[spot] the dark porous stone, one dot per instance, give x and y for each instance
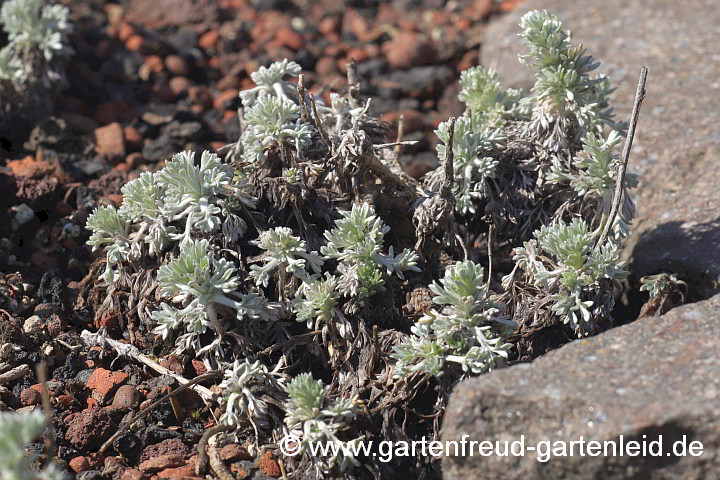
(89, 475)
(418, 82)
(654, 377)
(173, 138)
(128, 445)
(677, 228)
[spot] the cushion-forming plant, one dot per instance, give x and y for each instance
(315, 256)
(32, 62)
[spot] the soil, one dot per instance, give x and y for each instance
(149, 79)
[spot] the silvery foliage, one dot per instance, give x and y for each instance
(240, 398)
(563, 260)
(272, 116)
(269, 81)
(200, 198)
(467, 330)
(357, 242)
(592, 174)
(17, 430)
(472, 161)
(660, 284)
(285, 252)
(316, 300)
(32, 26)
(478, 135)
(565, 97)
(180, 206)
(201, 282)
(313, 419)
(487, 101)
(273, 122)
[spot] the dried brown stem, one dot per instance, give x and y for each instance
(201, 463)
(14, 374)
(353, 79)
(154, 405)
(449, 179)
(304, 110)
(42, 377)
(622, 166)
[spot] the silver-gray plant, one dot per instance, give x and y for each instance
(17, 430)
(468, 329)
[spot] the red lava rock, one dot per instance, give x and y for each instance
(335, 50)
(63, 208)
(358, 54)
(177, 65)
(126, 396)
(355, 23)
(79, 464)
(125, 31)
(134, 160)
(155, 63)
(110, 142)
(109, 112)
(43, 260)
(179, 85)
(104, 383)
(325, 66)
(221, 98)
(372, 50)
(163, 92)
(239, 471)
(135, 43)
(199, 366)
(173, 363)
(329, 24)
(200, 95)
(30, 396)
(132, 474)
(186, 472)
(116, 199)
(65, 401)
(230, 82)
(170, 446)
(470, 59)
(209, 40)
(268, 465)
(234, 452)
(89, 428)
(103, 48)
(133, 139)
(479, 9)
(30, 167)
(413, 120)
(409, 49)
(162, 462)
(287, 37)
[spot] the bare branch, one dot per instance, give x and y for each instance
(622, 167)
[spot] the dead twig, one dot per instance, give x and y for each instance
(131, 351)
(353, 79)
(14, 374)
(42, 377)
(202, 458)
(449, 180)
(400, 131)
(152, 406)
(622, 166)
(217, 465)
(304, 110)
